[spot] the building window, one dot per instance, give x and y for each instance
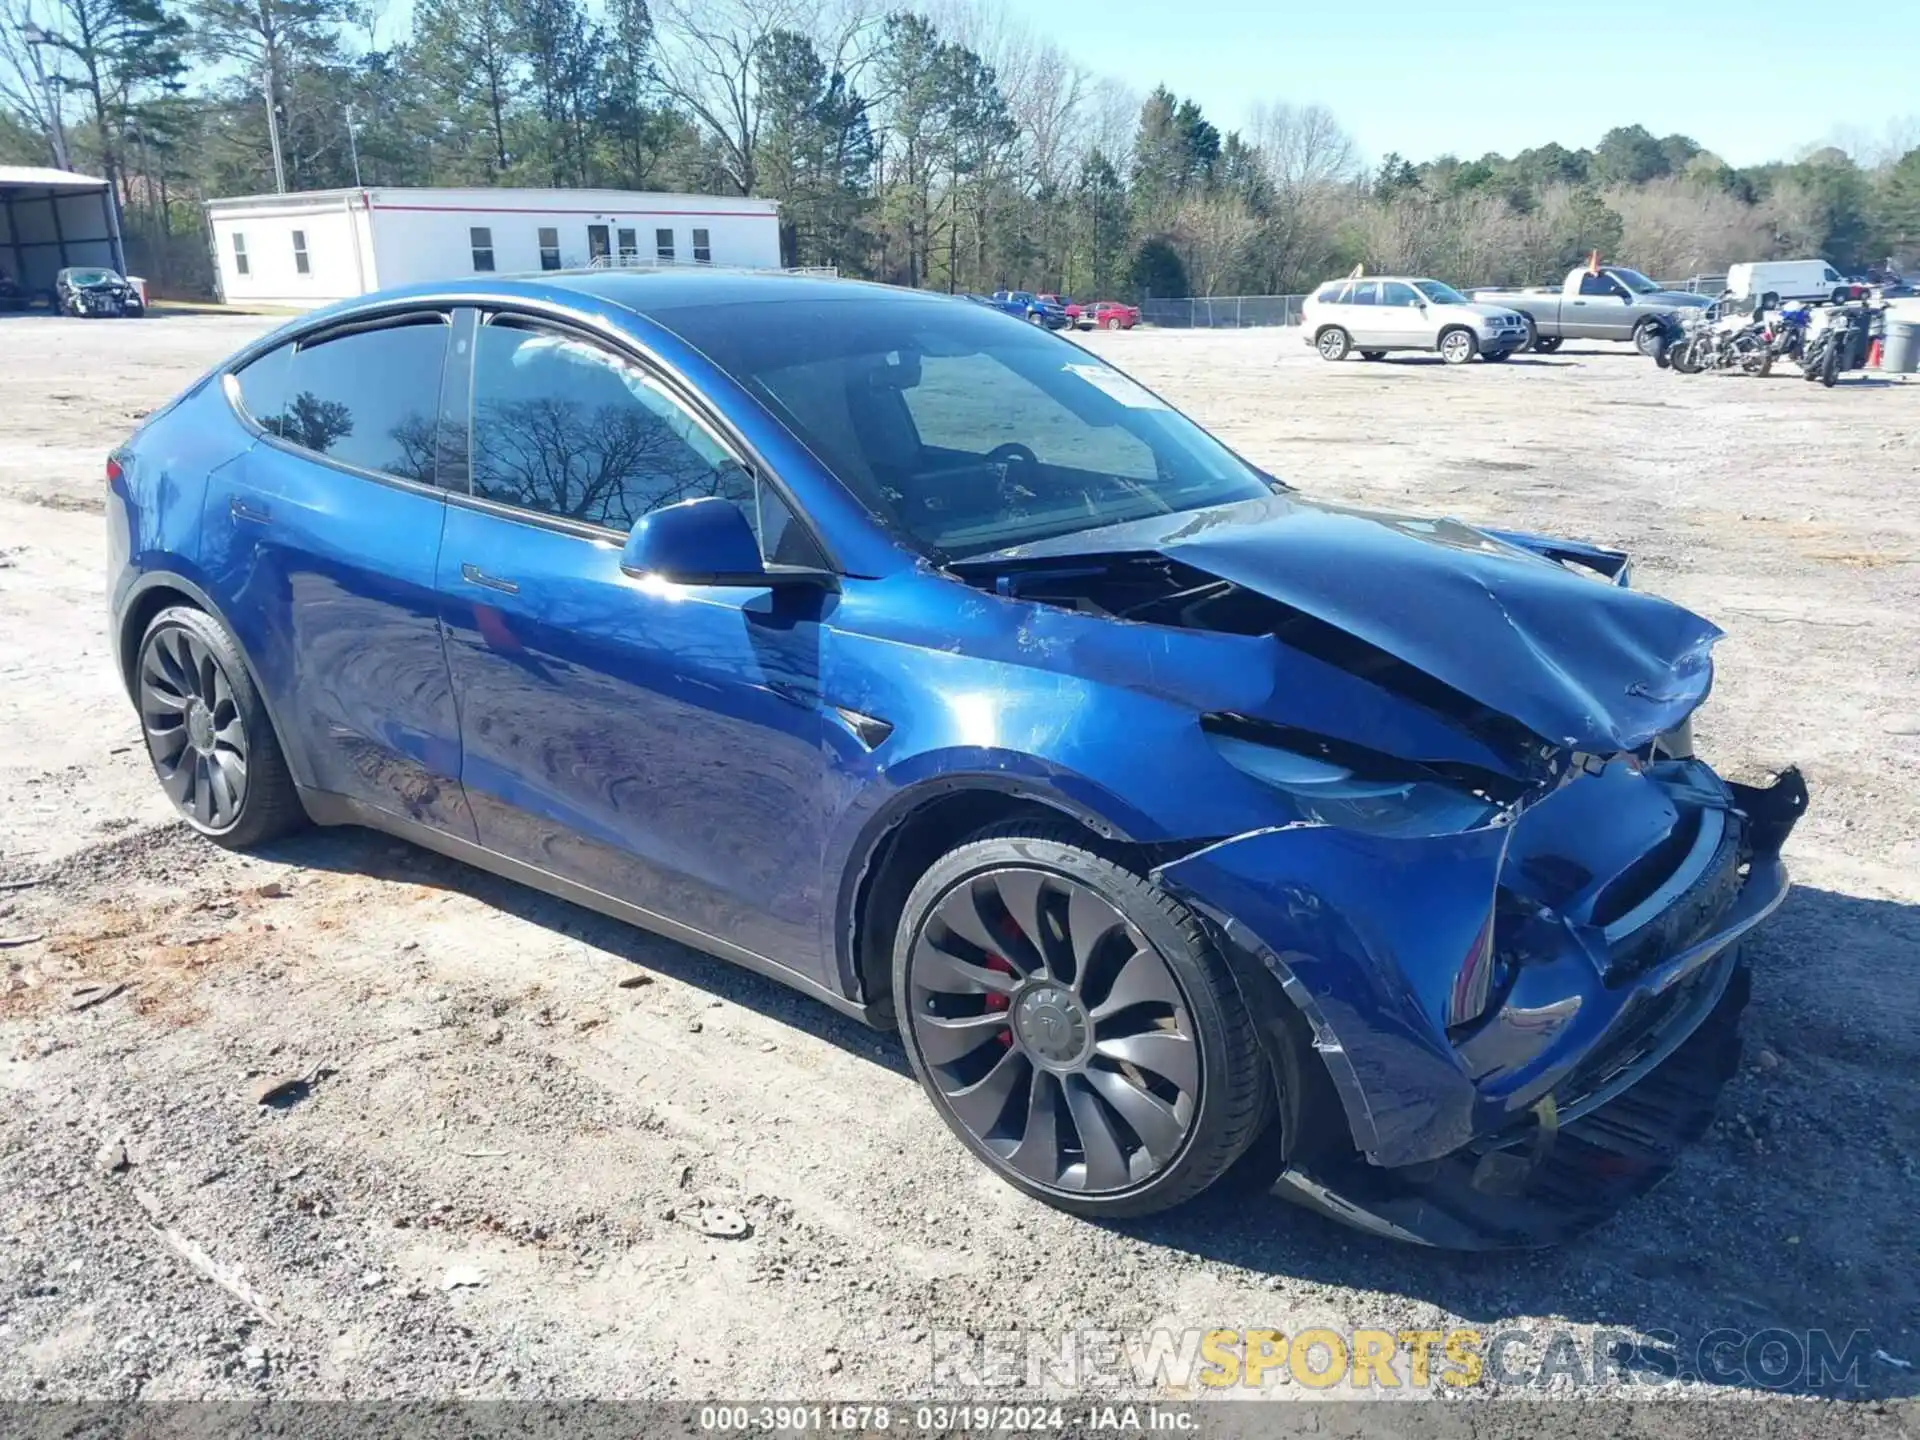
(663, 246)
(702, 248)
(629, 247)
(300, 253)
(240, 254)
(549, 248)
(482, 240)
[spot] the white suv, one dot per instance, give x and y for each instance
(1392, 312)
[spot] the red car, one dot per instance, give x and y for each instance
(1108, 315)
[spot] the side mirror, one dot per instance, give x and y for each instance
(706, 541)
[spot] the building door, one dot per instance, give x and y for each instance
(598, 245)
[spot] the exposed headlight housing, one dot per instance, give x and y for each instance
(1328, 792)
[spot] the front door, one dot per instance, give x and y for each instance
(321, 547)
(1403, 319)
(598, 244)
(664, 745)
(1600, 310)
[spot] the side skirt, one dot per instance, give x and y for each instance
(327, 808)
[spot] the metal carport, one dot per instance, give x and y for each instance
(50, 219)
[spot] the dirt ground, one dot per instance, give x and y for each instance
(497, 1156)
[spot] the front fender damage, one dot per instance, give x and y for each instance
(1367, 935)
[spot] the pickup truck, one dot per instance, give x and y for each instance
(1026, 305)
(1611, 303)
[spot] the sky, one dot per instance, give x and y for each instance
(1752, 80)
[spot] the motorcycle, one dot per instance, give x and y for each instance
(1715, 340)
(1786, 336)
(1837, 342)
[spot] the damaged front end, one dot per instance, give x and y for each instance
(1500, 890)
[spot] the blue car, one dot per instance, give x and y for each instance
(1189, 830)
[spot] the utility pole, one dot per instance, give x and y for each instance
(273, 129)
(50, 87)
(353, 146)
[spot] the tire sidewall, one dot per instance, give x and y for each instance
(1449, 346)
(973, 859)
(1336, 338)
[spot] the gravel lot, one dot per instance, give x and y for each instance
(508, 1124)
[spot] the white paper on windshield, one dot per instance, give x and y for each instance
(1113, 383)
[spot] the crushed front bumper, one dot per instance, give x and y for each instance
(1619, 908)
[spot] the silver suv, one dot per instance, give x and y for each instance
(1391, 312)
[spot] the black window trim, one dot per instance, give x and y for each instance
(716, 425)
(319, 335)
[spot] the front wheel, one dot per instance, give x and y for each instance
(1830, 366)
(1457, 347)
(1333, 343)
(1646, 337)
(1546, 344)
(208, 734)
(1497, 355)
(1373, 354)
(1074, 1025)
(1113, 322)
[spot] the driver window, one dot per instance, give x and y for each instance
(973, 403)
(1602, 284)
(1397, 294)
(566, 428)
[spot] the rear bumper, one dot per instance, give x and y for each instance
(1599, 1000)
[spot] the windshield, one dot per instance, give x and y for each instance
(963, 429)
(90, 277)
(1635, 281)
(1438, 293)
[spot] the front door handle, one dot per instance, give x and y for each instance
(474, 575)
(240, 510)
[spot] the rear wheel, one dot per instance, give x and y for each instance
(1457, 347)
(1532, 342)
(1333, 343)
(1074, 1025)
(208, 734)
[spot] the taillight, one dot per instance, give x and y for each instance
(113, 470)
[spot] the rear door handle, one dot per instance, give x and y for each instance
(474, 575)
(240, 510)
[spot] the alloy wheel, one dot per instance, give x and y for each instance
(1054, 1032)
(194, 729)
(1457, 348)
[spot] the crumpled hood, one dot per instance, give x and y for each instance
(1583, 664)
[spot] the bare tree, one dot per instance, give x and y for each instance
(1304, 146)
(707, 60)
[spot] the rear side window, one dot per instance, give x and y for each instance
(1365, 292)
(263, 384)
(368, 398)
(565, 428)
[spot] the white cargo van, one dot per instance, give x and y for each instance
(1772, 281)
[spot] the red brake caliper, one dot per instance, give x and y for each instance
(1001, 1002)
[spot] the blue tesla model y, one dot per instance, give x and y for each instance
(914, 656)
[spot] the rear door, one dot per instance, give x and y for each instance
(664, 745)
(1365, 320)
(320, 547)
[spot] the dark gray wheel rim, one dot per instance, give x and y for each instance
(1055, 1033)
(194, 731)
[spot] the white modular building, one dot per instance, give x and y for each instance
(317, 246)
